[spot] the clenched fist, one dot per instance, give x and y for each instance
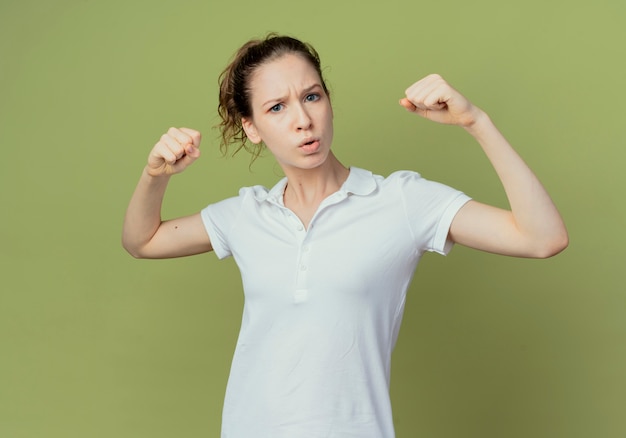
(174, 152)
(434, 99)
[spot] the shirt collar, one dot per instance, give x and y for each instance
(359, 182)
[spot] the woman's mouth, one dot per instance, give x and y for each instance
(310, 146)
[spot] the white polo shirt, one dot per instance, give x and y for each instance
(323, 306)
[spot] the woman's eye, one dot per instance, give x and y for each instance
(312, 97)
(276, 108)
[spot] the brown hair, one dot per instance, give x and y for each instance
(234, 97)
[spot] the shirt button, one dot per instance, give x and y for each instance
(305, 248)
(300, 228)
(303, 267)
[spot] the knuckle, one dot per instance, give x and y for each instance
(185, 138)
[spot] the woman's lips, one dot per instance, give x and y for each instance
(310, 146)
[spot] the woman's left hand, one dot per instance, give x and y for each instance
(434, 99)
(533, 227)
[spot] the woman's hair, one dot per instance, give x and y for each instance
(235, 91)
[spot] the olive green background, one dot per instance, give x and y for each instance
(94, 343)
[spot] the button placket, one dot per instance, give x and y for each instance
(303, 266)
(301, 292)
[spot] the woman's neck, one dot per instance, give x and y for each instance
(310, 185)
(307, 188)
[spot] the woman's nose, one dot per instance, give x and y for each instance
(303, 120)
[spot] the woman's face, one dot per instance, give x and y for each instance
(291, 113)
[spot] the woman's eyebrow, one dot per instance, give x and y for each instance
(311, 88)
(304, 91)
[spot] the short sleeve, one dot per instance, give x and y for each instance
(430, 207)
(218, 220)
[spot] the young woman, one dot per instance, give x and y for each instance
(327, 254)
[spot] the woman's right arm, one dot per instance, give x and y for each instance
(144, 234)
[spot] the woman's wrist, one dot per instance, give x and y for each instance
(480, 123)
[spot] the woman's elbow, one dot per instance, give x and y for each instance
(552, 246)
(132, 249)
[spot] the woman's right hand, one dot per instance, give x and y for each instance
(174, 152)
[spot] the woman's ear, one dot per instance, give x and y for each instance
(250, 130)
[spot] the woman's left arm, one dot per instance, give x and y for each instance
(533, 227)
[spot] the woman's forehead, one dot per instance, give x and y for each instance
(288, 73)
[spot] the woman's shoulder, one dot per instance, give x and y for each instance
(412, 183)
(397, 176)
